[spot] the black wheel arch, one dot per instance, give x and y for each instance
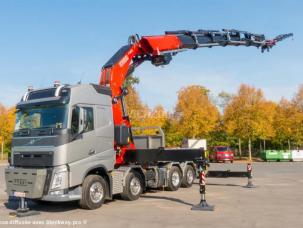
(142, 175)
(102, 171)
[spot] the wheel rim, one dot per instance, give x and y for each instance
(96, 192)
(175, 178)
(135, 186)
(190, 176)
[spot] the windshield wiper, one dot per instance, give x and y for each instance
(24, 132)
(46, 131)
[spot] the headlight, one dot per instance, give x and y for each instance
(58, 179)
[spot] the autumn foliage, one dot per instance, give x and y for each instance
(196, 115)
(222, 121)
(249, 114)
(7, 123)
(225, 120)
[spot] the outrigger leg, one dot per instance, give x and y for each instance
(203, 205)
(23, 210)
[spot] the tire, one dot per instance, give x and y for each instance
(188, 177)
(133, 187)
(175, 179)
(94, 190)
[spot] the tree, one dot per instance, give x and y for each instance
(7, 123)
(282, 123)
(244, 115)
(157, 117)
(267, 114)
(288, 121)
(130, 81)
(197, 116)
(223, 100)
(298, 99)
(297, 118)
(136, 110)
(141, 115)
(173, 137)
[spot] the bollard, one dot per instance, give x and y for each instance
(203, 205)
(249, 176)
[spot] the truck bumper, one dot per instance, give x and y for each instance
(39, 184)
(27, 182)
(64, 195)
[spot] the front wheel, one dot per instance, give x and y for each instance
(93, 192)
(188, 177)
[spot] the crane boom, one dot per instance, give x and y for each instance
(160, 50)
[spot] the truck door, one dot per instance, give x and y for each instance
(92, 144)
(84, 140)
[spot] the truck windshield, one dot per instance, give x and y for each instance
(41, 117)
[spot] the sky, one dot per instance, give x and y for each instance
(46, 40)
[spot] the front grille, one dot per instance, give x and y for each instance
(35, 159)
(24, 180)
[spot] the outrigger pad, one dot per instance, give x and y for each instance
(203, 206)
(23, 213)
(249, 185)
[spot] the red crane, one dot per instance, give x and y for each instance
(160, 50)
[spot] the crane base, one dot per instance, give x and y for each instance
(203, 206)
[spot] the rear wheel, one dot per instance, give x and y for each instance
(133, 187)
(93, 192)
(188, 177)
(175, 178)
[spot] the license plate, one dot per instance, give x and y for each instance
(19, 194)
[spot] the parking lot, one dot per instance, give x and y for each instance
(277, 201)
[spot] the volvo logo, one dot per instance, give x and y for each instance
(32, 141)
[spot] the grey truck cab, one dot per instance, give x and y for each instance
(61, 134)
(63, 150)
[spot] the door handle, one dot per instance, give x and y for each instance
(92, 151)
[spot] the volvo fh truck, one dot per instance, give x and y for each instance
(63, 150)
